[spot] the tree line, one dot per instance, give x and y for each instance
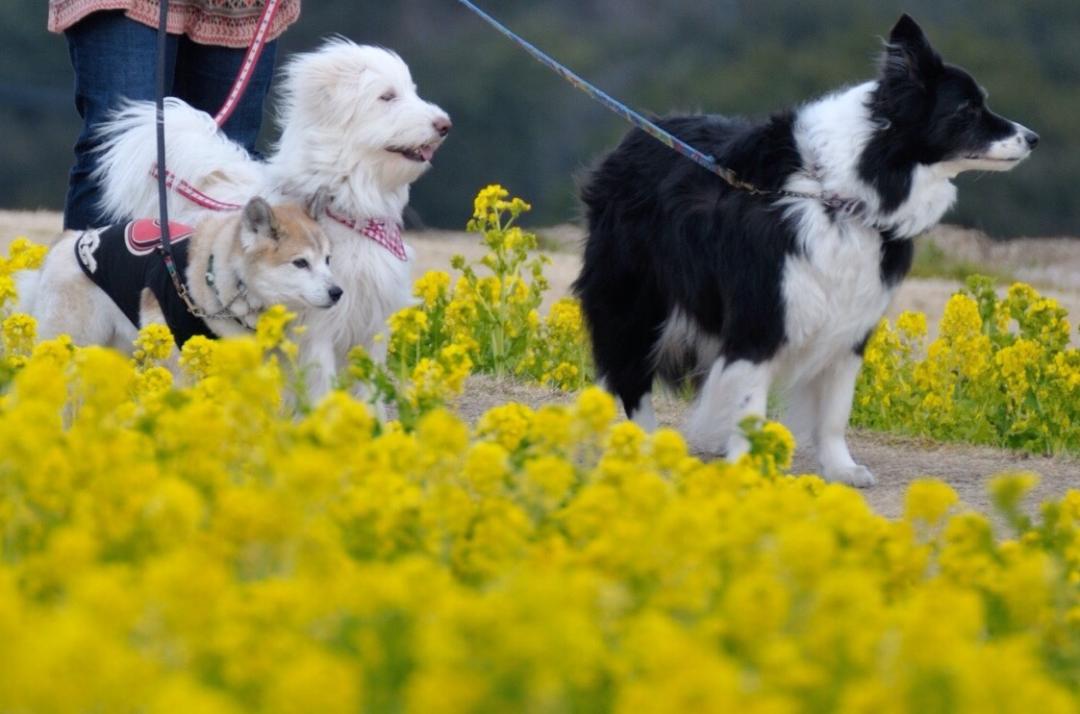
(520, 125)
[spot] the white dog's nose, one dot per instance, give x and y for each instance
(443, 125)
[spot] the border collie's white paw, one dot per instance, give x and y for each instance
(703, 441)
(857, 476)
(705, 449)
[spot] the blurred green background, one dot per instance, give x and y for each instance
(520, 125)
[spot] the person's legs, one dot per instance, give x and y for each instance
(204, 76)
(114, 59)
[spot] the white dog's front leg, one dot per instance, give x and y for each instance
(320, 367)
(835, 389)
(731, 393)
(363, 392)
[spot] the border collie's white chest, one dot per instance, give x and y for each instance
(834, 295)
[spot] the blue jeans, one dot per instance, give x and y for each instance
(115, 59)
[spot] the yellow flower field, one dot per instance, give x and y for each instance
(1001, 372)
(210, 543)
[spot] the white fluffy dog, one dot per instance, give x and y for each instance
(353, 124)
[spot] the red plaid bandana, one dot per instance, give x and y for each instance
(386, 234)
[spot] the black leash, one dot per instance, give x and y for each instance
(165, 248)
(163, 196)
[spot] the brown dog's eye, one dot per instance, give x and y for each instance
(301, 263)
(388, 97)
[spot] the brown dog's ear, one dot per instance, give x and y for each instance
(259, 219)
(317, 204)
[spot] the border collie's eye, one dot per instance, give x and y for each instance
(301, 263)
(968, 109)
(389, 96)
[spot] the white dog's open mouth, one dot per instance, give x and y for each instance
(421, 154)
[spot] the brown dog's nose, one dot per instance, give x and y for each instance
(443, 125)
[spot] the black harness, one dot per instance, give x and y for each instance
(124, 260)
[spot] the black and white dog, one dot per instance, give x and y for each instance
(689, 279)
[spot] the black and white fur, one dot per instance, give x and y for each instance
(689, 279)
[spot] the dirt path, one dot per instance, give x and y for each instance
(1054, 266)
(896, 461)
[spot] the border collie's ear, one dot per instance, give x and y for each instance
(259, 220)
(906, 29)
(317, 204)
(909, 54)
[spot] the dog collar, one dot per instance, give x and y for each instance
(226, 311)
(385, 233)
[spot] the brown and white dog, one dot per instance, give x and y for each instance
(101, 286)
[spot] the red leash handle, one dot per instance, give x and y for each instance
(254, 52)
(240, 84)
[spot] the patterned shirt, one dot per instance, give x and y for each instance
(227, 23)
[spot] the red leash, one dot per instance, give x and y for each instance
(386, 234)
(251, 59)
(193, 194)
(232, 100)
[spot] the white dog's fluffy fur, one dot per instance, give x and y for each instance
(352, 122)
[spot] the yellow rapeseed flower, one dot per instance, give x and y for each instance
(928, 500)
(596, 409)
(212, 546)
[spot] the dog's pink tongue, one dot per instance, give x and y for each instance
(428, 152)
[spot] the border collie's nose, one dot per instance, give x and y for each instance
(443, 125)
(1031, 138)
(336, 293)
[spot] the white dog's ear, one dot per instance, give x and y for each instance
(316, 205)
(334, 86)
(258, 222)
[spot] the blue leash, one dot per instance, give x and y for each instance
(844, 205)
